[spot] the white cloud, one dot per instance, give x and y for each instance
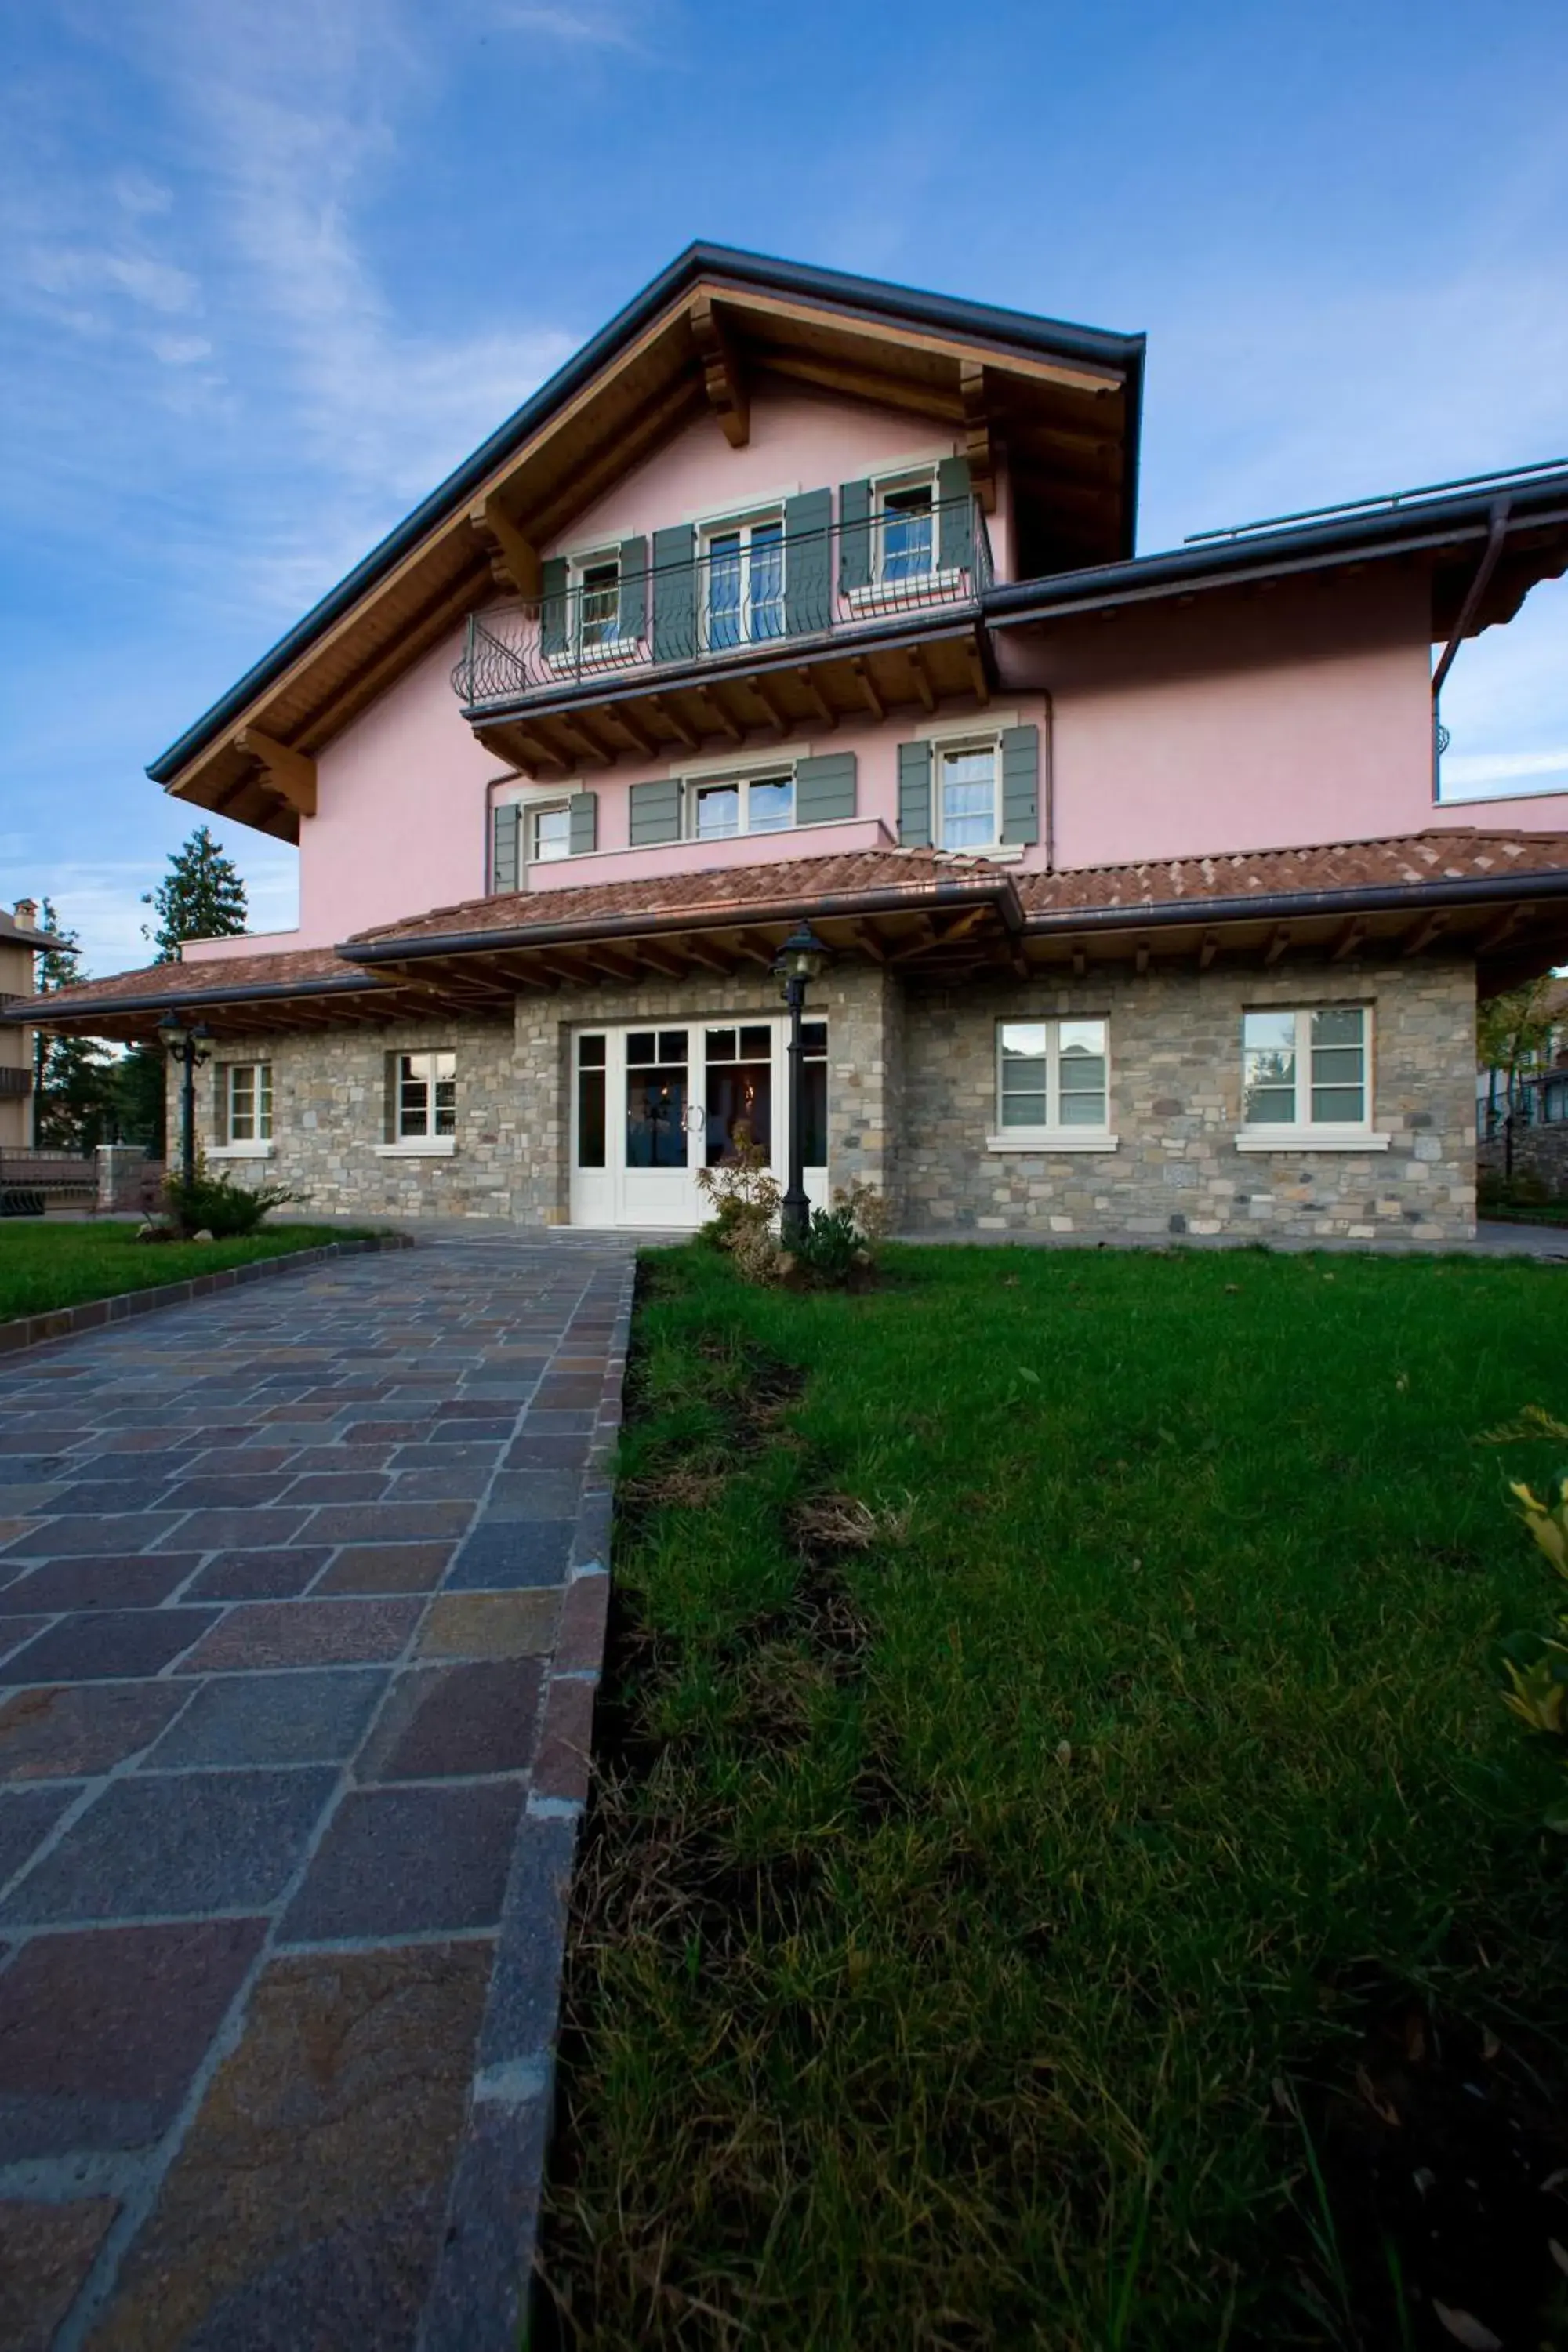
(586, 25)
(181, 351)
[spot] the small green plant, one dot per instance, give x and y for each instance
(836, 1249)
(1538, 1691)
(215, 1205)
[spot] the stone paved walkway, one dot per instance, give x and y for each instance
(302, 1595)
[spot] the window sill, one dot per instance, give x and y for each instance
(1053, 1139)
(418, 1147)
(1000, 853)
(239, 1151)
(1296, 1140)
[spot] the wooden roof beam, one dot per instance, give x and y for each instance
(928, 401)
(431, 622)
(701, 951)
(291, 774)
(818, 700)
(1350, 941)
(755, 949)
(709, 699)
(587, 482)
(671, 966)
(513, 557)
(723, 376)
(921, 677)
(867, 685)
(1278, 941)
(777, 719)
(1208, 948)
(676, 724)
(1434, 921)
(977, 433)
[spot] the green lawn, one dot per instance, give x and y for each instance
(44, 1265)
(970, 1866)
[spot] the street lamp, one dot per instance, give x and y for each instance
(187, 1049)
(802, 959)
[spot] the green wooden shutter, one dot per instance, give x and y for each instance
(583, 813)
(553, 609)
(1021, 783)
(656, 808)
(955, 546)
(504, 846)
(824, 788)
(809, 575)
(914, 796)
(633, 587)
(674, 587)
(854, 535)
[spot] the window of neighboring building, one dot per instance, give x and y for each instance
(425, 1096)
(966, 796)
(246, 1091)
(1305, 1067)
(742, 582)
(736, 805)
(1052, 1079)
(549, 832)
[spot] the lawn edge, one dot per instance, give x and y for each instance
(26, 1331)
(482, 2292)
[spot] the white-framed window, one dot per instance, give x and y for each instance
(719, 808)
(1306, 1077)
(742, 581)
(423, 1091)
(547, 832)
(1053, 1084)
(966, 798)
(907, 540)
(597, 581)
(246, 1102)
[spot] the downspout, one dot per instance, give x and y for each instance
(1048, 784)
(1497, 532)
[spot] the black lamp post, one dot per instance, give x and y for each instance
(187, 1050)
(803, 957)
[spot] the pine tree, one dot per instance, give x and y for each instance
(72, 1085)
(201, 896)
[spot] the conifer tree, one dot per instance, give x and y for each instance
(202, 897)
(72, 1084)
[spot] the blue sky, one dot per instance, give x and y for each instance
(271, 267)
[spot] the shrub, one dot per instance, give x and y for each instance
(1538, 1691)
(215, 1205)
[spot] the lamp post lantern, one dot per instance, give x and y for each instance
(187, 1049)
(802, 959)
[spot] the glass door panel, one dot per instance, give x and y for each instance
(739, 1090)
(656, 1098)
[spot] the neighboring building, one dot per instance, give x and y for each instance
(20, 940)
(1522, 1127)
(796, 593)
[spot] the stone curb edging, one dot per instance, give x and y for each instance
(65, 1322)
(479, 2299)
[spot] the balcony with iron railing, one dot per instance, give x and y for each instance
(753, 599)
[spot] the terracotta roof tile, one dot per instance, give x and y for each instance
(803, 880)
(170, 981)
(1453, 855)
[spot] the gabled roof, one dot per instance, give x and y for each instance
(684, 343)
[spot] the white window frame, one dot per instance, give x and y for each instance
(258, 1145)
(426, 1142)
(943, 747)
(531, 812)
(1053, 1136)
(724, 527)
(885, 486)
(1305, 1133)
(742, 781)
(577, 570)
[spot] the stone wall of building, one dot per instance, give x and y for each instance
(513, 1076)
(1175, 1090)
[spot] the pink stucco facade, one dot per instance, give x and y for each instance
(1238, 721)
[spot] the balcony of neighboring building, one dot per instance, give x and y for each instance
(818, 608)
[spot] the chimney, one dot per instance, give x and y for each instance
(27, 914)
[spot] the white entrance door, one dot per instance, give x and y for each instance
(653, 1105)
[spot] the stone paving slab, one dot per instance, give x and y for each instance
(303, 1599)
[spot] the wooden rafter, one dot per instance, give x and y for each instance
(641, 740)
(778, 719)
(1434, 921)
(1279, 940)
(973, 392)
(291, 774)
(428, 626)
(723, 375)
(708, 699)
(1503, 929)
(755, 949)
(585, 484)
(815, 696)
(676, 724)
(1141, 954)
(514, 559)
(1080, 958)
(929, 401)
(1208, 948)
(867, 685)
(921, 677)
(1350, 940)
(976, 663)
(661, 959)
(865, 939)
(702, 952)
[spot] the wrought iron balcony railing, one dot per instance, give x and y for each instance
(750, 590)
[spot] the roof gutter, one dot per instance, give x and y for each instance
(1384, 897)
(1496, 534)
(961, 891)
